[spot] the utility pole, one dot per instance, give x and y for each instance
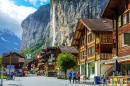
(2, 76)
(10, 62)
(85, 66)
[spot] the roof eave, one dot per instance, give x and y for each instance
(102, 15)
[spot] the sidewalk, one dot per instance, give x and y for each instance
(15, 82)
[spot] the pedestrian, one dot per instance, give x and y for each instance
(70, 76)
(10, 75)
(78, 75)
(14, 75)
(74, 76)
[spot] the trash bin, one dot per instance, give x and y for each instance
(97, 79)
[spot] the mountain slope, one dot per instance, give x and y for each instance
(9, 42)
(34, 27)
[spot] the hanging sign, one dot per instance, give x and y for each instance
(38, 56)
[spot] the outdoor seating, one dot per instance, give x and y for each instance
(119, 80)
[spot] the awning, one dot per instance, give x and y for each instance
(119, 59)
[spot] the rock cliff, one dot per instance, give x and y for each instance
(59, 19)
(65, 15)
(35, 27)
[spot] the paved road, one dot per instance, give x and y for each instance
(39, 81)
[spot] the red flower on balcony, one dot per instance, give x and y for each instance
(96, 50)
(77, 57)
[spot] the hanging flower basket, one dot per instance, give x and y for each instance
(97, 51)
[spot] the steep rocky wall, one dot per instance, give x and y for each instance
(67, 15)
(35, 27)
(63, 16)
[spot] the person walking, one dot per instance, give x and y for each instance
(70, 76)
(74, 76)
(78, 75)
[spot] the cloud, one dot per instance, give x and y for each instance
(34, 2)
(12, 15)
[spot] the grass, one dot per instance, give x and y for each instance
(4, 77)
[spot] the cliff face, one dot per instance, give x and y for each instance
(35, 27)
(65, 16)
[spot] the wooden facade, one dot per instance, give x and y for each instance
(16, 59)
(88, 40)
(119, 11)
(48, 58)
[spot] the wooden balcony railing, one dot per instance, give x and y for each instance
(106, 56)
(114, 52)
(106, 39)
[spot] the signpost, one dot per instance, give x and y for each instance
(28, 56)
(38, 56)
(2, 76)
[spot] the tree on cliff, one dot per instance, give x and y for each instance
(66, 61)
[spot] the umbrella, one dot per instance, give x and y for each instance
(116, 68)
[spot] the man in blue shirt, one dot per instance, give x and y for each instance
(70, 75)
(74, 76)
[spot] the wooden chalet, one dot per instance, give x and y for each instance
(48, 58)
(28, 64)
(16, 59)
(119, 12)
(94, 41)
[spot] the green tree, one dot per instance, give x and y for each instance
(0, 62)
(66, 61)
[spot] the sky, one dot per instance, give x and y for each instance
(13, 12)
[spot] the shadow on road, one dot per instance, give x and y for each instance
(13, 85)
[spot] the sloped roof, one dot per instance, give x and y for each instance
(111, 5)
(7, 54)
(97, 24)
(28, 61)
(68, 49)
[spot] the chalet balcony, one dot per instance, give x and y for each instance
(104, 56)
(106, 39)
(6, 60)
(114, 52)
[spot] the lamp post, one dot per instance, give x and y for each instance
(85, 66)
(10, 61)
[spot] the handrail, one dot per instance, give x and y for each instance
(108, 70)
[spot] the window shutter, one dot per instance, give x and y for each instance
(126, 38)
(119, 21)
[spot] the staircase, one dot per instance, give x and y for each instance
(109, 72)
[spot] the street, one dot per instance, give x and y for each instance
(39, 81)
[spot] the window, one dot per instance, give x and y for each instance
(91, 51)
(124, 19)
(90, 37)
(119, 21)
(129, 16)
(83, 53)
(83, 41)
(125, 39)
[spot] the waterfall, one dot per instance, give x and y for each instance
(53, 22)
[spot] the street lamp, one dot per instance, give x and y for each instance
(10, 61)
(85, 67)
